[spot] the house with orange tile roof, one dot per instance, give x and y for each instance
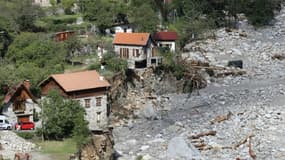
(137, 48)
(89, 88)
(19, 104)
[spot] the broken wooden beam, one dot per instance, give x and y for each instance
(279, 56)
(209, 133)
(250, 150)
(243, 141)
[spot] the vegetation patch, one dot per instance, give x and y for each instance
(26, 135)
(60, 150)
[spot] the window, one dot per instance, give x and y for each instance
(19, 106)
(98, 101)
(98, 117)
(87, 103)
(124, 52)
(136, 53)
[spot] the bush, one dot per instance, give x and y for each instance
(95, 66)
(170, 63)
(26, 135)
(114, 63)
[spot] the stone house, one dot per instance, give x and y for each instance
(87, 87)
(137, 48)
(19, 104)
(166, 39)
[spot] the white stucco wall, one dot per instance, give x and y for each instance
(121, 29)
(42, 3)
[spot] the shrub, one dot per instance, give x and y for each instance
(26, 135)
(95, 66)
(114, 63)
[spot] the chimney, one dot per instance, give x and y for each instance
(101, 78)
(27, 84)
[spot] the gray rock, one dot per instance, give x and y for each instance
(178, 149)
(149, 112)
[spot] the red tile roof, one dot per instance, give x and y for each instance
(80, 80)
(140, 39)
(165, 36)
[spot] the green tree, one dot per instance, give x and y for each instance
(63, 118)
(5, 41)
(261, 12)
(24, 14)
(38, 49)
(8, 75)
(72, 44)
(144, 18)
(100, 12)
(68, 4)
(114, 63)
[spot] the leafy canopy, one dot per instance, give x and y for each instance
(63, 118)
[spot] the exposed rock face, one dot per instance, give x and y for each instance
(140, 93)
(99, 148)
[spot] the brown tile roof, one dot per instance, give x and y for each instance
(15, 90)
(140, 39)
(80, 80)
(165, 36)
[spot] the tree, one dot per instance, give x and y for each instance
(261, 12)
(63, 118)
(144, 18)
(38, 49)
(5, 41)
(68, 4)
(100, 12)
(114, 63)
(72, 44)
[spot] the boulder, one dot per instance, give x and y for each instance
(179, 149)
(149, 111)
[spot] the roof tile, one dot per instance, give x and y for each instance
(165, 36)
(140, 39)
(80, 80)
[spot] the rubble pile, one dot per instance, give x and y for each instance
(234, 117)
(100, 147)
(12, 143)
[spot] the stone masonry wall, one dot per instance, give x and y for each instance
(96, 115)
